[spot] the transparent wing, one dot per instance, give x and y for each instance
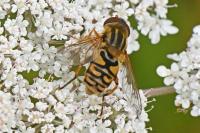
(133, 92)
(81, 52)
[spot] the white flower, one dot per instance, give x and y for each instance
(57, 4)
(41, 88)
(155, 27)
(37, 7)
(48, 128)
(120, 120)
(62, 94)
(29, 130)
(51, 100)
(123, 9)
(161, 7)
(99, 4)
(4, 7)
(195, 111)
(84, 119)
(2, 13)
(16, 27)
(36, 117)
(170, 75)
(43, 24)
(59, 129)
(7, 112)
(25, 45)
(19, 5)
(182, 100)
(196, 30)
(102, 127)
(184, 74)
(49, 117)
(154, 24)
(133, 45)
(60, 108)
(59, 31)
(45, 53)
(65, 109)
(5, 4)
(41, 106)
(9, 77)
(66, 121)
(163, 71)
(24, 104)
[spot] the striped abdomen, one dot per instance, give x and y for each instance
(101, 72)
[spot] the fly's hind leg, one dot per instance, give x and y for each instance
(106, 93)
(103, 97)
(77, 71)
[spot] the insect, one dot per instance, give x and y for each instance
(107, 56)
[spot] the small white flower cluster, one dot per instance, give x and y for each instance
(6, 109)
(152, 19)
(32, 68)
(184, 74)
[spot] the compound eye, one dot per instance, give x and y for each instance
(118, 20)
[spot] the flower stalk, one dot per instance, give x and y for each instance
(159, 91)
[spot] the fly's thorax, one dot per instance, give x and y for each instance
(115, 36)
(114, 52)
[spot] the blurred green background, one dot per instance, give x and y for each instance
(164, 118)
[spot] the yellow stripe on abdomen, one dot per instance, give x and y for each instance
(101, 72)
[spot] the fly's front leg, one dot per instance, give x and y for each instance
(77, 72)
(95, 33)
(92, 35)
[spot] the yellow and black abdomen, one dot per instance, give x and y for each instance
(101, 72)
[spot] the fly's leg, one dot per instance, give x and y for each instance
(106, 93)
(103, 98)
(92, 35)
(77, 71)
(95, 32)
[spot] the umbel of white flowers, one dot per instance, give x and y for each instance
(31, 69)
(184, 74)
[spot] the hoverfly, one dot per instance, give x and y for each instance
(108, 55)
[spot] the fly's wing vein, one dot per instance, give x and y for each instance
(82, 51)
(134, 96)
